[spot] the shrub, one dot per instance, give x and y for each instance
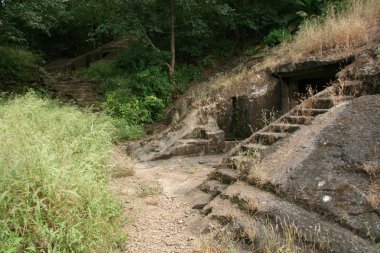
(126, 131)
(134, 110)
(99, 70)
(155, 106)
(54, 163)
(152, 81)
(185, 75)
(277, 36)
(137, 58)
(18, 65)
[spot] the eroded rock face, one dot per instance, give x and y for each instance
(333, 178)
(317, 168)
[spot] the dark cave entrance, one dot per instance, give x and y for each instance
(296, 84)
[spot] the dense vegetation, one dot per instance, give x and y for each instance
(54, 164)
(171, 41)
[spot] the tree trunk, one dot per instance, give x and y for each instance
(171, 66)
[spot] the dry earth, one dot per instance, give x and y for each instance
(158, 203)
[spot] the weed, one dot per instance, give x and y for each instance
(249, 165)
(373, 195)
(224, 242)
(337, 93)
(268, 116)
(151, 188)
(286, 237)
(372, 169)
(54, 165)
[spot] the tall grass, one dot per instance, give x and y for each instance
(53, 173)
(342, 29)
(352, 27)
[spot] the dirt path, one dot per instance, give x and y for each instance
(158, 202)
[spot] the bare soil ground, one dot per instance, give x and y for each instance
(158, 204)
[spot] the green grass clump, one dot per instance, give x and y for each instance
(54, 164)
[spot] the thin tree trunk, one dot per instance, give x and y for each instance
(171, 66)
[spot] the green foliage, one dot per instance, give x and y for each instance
(18, 65)
(54, 164)
(152, 81)
(185, 75)
(99, 70)
(138, 93)
(155, 106)
(139, 57)
(277, 36)
(121, 104)
(126, 131)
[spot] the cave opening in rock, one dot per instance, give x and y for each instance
(296, 84)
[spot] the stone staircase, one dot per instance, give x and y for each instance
(249, 205)
(76, 91)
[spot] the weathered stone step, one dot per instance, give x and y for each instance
(225, 176)
(224, 211)
(185, 147)
(243, 163)
(302, 120)
(308, 112)
(230, 145)
(327, 235)
(322, 103)
(258, 233)
(268, 138)
(350, 88)
(213, 187)
(199, 198)
(283, 128)
(253, 148)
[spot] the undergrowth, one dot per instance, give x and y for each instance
(136, 85)
(18, 65)
(54, 165)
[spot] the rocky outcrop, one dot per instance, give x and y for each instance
(314, 173)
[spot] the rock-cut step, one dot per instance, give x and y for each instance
(308, 112)
(328, 236)
(300, 120)
(283, 128)
(268, 138)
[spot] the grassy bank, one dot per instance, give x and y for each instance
(54, 163)
(342, 30)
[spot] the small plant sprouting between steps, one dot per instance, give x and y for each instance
(54, 163)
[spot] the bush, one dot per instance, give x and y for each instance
(53, 172)
(136, 85)
(18, 65)
(138, 58)
(152, 81)
(125, 131)
(99, 71)
(277, 36)
(134, 110)
(155, 106)
(185, 75)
